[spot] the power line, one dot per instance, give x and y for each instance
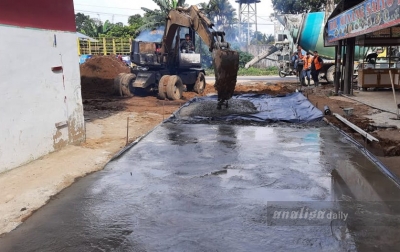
(104, 13)
(108, 7)
(260, 17)
(126, 15)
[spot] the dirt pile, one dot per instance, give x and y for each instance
(244, 88)
(262, 88)
(97, 76)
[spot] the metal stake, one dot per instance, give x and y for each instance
(394, 94)
(84, 123)
(127, 130)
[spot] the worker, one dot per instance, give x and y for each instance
(294, 60)
(299, 63)
(316, 66)
(187, 45)
(307, 60)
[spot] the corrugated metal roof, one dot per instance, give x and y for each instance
(85, 37)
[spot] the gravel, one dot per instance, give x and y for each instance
(209, 109)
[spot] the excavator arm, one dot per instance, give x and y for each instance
(225, 60)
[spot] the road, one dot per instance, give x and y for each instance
(260, 78)
(220, 188)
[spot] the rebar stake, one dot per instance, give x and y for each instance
(127, 130)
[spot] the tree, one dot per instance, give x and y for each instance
(86, 25)
(135, 20)
(295, 6)
(270, 39)
(81, 21)
(156, 18)
(223, 15)
(94, 27)
(244, 57)
(122, 32)
(262, 39)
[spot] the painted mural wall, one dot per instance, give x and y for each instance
(40, 100)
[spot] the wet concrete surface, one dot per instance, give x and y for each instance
(207, 188)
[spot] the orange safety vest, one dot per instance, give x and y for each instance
(318, 65)
(307, 62)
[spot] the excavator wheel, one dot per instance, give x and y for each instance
(174, 88)
(200, 84)
(162, 87)
(117, 84)
(122, 84)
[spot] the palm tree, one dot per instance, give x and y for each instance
(222, 13)
(156, 18)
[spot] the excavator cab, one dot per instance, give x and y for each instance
(187, 58)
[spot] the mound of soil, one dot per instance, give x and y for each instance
(256, 88)
(262, 88)
(97, 76)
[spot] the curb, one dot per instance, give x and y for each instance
(369, 105)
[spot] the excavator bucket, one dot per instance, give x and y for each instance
(226, 67)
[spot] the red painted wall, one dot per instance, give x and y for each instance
(43, 14)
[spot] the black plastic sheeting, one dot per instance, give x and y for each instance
(290, 108)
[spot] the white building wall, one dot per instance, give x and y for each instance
(40, 110)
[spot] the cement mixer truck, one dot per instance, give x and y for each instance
(306, 31)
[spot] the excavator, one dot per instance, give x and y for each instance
(164, 68)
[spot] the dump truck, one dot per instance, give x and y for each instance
(164, 68)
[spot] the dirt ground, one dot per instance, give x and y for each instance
(25, 189)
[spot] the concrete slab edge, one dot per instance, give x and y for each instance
(369, 105)
(368, 154)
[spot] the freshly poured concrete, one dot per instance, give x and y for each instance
(207, 188)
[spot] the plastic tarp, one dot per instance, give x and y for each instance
(291, 108)
(83, 58)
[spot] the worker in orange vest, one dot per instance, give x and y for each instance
(307, 60)
(316, 66)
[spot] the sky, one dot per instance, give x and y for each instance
(120, 10)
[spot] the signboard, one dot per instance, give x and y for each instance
(366, 17)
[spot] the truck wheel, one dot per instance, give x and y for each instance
(174, 88)
(162, 87)
(200, 84)
(330, 74)
(122, 84)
